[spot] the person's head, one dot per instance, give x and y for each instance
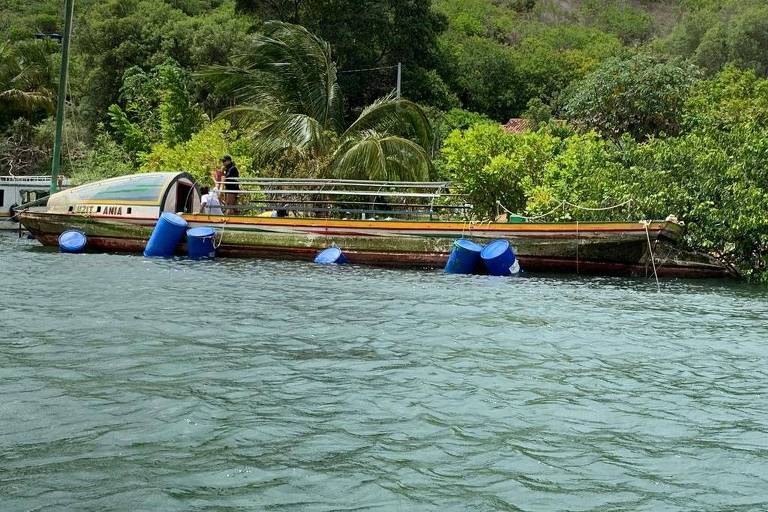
(226, 160)
(204, 190)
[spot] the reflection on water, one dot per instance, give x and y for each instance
(135, 384)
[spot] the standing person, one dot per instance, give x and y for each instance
(217, 175)
(209, 202)
(231, 175)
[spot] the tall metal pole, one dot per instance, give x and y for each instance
(399, 78)
(62, 96)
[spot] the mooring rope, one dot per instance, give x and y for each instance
(650, 250)
(578, 243)
(466, 226)
(628, 201)
(221, 238)
(509, 212)
(563, 204)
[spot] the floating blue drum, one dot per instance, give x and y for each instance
(200, 243)
(167, 234)
(72, 241)
(331, 256)
(499, 258)
(465, 257)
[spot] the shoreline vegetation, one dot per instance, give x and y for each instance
(660, 106)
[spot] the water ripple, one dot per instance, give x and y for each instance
(133, 384)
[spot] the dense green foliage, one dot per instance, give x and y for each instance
(713, 174)
(367, 34)
(719, 32)
(120, 34)
(491, 76)
(154, 106)
(642, 96)
(657, 102)
(200, 154)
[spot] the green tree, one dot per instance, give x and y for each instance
(105, 159)
(713, 175)
(201, 153)
(180, 116)
(367, 34)
(288, 95)
(490, 165)
(715, 34)
(155, 106)
(537, 113)
(618, 17)
(116, 35)
(484, 75)
(495, 61)
(642, 96)
(549, 59)
(586, 171)
(455, 119)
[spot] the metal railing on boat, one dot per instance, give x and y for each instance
(43, 180)
(350, 183)
(324, 197)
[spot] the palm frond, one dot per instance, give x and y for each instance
(374, 156)
(395, 116)
(29, 100)
(273, 132)
(297, 131)
(27, 76)
(287, 66)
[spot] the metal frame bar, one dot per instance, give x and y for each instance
(333, 193)
(332, 211)
(349, 183)
(401, 205)
(32, 179)
(336, 197)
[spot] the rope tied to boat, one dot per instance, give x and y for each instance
(562, 204)
(221, 233)
(466, 226)
(645, 224)
(578, 243)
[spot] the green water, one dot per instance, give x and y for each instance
(134, 384)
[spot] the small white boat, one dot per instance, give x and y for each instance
(18, 190)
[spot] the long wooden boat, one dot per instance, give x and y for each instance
(119, 215)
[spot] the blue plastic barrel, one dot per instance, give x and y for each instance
(72, 241)
(499, 258)
(200, 243)
(465, 257)
(331, 256)
(167, 234)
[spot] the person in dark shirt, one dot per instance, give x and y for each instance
(231, 175)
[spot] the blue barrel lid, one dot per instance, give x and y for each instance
(468, 245)
(174, 219)
(201, 232)
(329, 255)
(494, 249)
(72, 240)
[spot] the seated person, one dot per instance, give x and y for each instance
(209, 202)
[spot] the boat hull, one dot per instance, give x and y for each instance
(593, 248)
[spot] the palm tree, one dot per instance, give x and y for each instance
(286, 92)
(26, 78)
